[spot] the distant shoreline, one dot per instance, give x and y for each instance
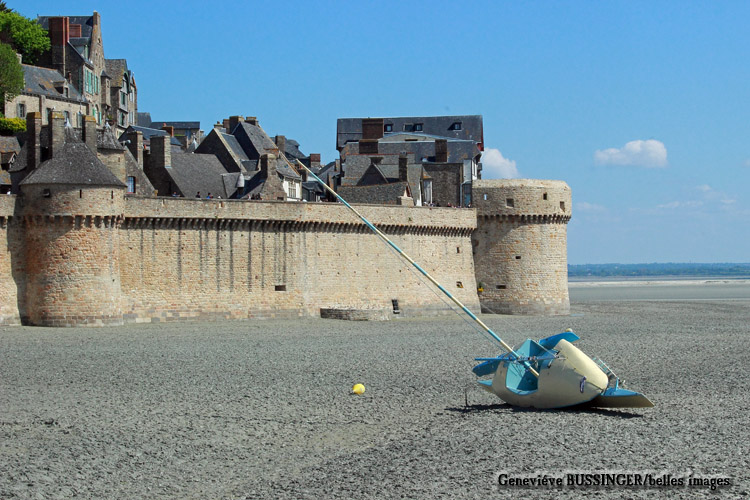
(593, 281)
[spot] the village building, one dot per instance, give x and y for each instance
(45, 90)
(123, 95)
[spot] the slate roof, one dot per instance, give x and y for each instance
(234, 146)
(39, 80)
(350, 129)
(380, 194)
(291, 150)
(9, 145)
(253, 140)
(148, 133)
(177, 125)
(105, 139)
(192, 172)
(76, 164)
(283, 168)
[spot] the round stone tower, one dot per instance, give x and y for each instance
(520, 245)
(72, 206)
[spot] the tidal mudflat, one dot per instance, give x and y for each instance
(263, 409)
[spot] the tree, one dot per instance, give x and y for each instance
(11, 74)
(24, 35)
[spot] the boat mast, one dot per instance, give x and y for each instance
(419, 268)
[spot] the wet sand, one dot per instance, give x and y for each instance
(263, 409)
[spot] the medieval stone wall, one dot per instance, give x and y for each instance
(520, 245)
(241, 259)
(11, 249)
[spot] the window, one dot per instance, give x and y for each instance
(562, 206)
(123, 98)
(544, 196)
(67, 117)
(131, 184)
(21, 110)
(417, 127)
(79, 120)
(292, 189)
(280, 288)
(428, 191)
(455, 126)
(509, 203)
(388, 127)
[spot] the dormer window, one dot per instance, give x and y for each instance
(417, 127)
(388, 127)
(455, 126)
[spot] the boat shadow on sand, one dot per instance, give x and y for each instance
(505, 408)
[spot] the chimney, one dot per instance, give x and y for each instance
(161, 151)
(280, 141)
(372, 128)
(252, 120)
(314, 160)
(441, 151)
(233, 122)
(59, 35)
(136, 146)
(89, 132)
(56, 133)
(97, 19)
(226, 125)
(265, 161)
(403, 169)
(33, 131)
(168, 129)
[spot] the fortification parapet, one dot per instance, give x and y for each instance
(520, 245)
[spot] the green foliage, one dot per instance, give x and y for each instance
(11, 126)
(4, 8)
(11, 74)
(24, 35)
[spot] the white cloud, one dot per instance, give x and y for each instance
(496, 166)
(650, 153)
(710, 194)
(584, 206)
(680, 204)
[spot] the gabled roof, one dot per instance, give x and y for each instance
(253, 140)
(40, 81)
(75, 164)
(105, 139)
(192, 172)
(234, 146)
(381, 194)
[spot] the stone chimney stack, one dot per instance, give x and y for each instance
(168, 129)
(372, 128)
(88, 131)
(59, 35)
(136, 146)
(225, 122)
(251, 120)
(441, 151)
(266, 161)
(403, 169)
(280, 141)
(57, 133)
(33, 131)
(314, 161)
(161, 151)
(233, 122)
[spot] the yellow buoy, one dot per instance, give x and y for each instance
(358, 389)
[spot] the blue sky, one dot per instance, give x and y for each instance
(643, 108)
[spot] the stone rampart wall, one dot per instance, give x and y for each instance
(242, 259)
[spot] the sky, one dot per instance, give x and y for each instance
(642, 107)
